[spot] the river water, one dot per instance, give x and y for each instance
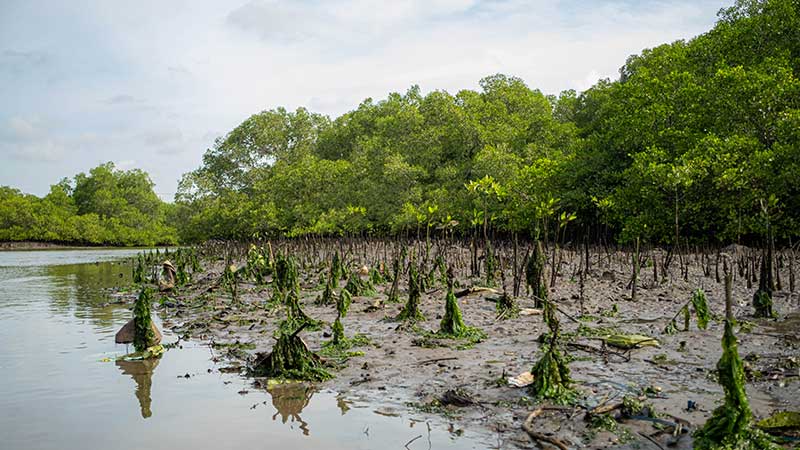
(60, 387)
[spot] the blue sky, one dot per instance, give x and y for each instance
(151, 84)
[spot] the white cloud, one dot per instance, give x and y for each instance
(152, 78)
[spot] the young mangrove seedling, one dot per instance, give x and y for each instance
(230, 280)
(699, 305)
(337, 270)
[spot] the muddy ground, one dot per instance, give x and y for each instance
(411, 378)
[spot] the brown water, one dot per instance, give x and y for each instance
(61, 389)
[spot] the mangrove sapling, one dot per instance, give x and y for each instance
(138, 270)
(257, 264)
(452, 323)
(290, 358)
(551, 378)
(295, 312)
(339, 344)
(285, 279)
(534, 275)
(635, 276)
(730, 425)
(699, 305)
(411, 312)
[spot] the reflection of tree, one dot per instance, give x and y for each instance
(142, 374)
(84, 288)
(289, 399)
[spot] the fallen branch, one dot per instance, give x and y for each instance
(409, 442)
(539, 437)
(600, 351)
(429, 361)
(475, 290)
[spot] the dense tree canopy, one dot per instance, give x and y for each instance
(696, 140)
(107, 206)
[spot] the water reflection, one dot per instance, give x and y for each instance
(142, 374)
(289, 399)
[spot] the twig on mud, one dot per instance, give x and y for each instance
(409, 442)
(539, 437)
(428, 361)
(651, 440)
(559, 310)
(599, 351)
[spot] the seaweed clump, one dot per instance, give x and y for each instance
(534, 276)
(290, 359)
(730, 426)
(143, 336)
(550, 374)
(411, 312)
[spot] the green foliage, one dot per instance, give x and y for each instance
(105, 207)
(258, 264)
(686, 145)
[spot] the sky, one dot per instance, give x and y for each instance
(151, 84)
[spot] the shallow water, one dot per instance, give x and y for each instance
(62, 389)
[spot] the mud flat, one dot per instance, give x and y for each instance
(465, 384)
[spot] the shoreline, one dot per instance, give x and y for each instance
(34, 245)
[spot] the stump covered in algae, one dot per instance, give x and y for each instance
(452, 322)
(534, 275)
(730, 425)
(290, 359)
(411, 312)
(551, 377)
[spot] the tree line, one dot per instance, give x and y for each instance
(695, 141)
(105, 207)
